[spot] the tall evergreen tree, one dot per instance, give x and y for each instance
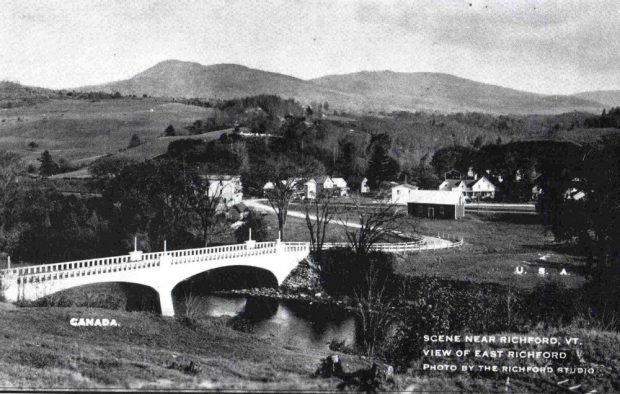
(134, 141)
(170, 131)
(48, 165)
(381, 167)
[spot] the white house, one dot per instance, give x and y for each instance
(401, 194)
(476, 188)
(341, 185)
(226, 187)
(306, 189)
(364, 188)
(324, 182)
(310, 189)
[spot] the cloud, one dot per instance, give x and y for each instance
(547, 46)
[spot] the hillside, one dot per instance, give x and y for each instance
(447, 93)
(610, 98)
(13, 94)
(82, 130)
(362, 91)
(174, 78)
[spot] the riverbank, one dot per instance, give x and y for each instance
(43, 350)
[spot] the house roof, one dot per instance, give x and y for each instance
(436, 197)
(469, 182)
(451, 182)
(321, 179)
(466, 182)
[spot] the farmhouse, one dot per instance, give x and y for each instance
(475, 188)
(340, 187)
(436, 204)
(401, 193)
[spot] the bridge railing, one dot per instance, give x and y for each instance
(104, 265)
(81, 272)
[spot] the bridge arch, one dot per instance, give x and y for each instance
(129, 296)
(230, 277)
(161, 271)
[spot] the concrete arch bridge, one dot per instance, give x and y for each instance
(161, 271)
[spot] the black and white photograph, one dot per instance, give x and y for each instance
(310, 196)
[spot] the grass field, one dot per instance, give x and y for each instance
(82, 130)
(494, 246)
(41, 349)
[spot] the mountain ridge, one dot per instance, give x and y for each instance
(360, 91)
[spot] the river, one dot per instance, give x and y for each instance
(297, 323)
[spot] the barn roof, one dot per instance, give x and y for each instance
(406, 186)
(452, 182)
(436, 197)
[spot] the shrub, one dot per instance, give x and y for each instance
(170, 131)
(343, 272)
(134, 141)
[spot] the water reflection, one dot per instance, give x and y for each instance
(296, 323)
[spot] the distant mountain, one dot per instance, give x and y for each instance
(610, 98)
(377, 90)
(444, 92)
(173, 78)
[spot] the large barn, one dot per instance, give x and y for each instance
(436, 204)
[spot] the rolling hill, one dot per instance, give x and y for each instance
(377, 90)
(13, 94)
(610, 98)
(174, 78)
(448, 93)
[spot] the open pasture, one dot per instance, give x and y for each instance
(83, 130)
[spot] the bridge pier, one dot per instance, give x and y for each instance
(165, 300)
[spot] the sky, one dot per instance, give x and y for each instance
(550, 47)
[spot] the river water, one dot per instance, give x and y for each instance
(295, 322)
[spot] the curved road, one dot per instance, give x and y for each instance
(437, 243)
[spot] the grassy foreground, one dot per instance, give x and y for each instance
(42, 350)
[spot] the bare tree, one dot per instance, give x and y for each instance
(319, 213)
(9, 169)
(370, 224)
(375, 310)
(280, 196)
(287, 178)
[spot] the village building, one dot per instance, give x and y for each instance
(303, 190)
(364, 188)
(436, 204)
(476, 188)
(340, 187)
(310, 188)
(401, 193)
(324, 183)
